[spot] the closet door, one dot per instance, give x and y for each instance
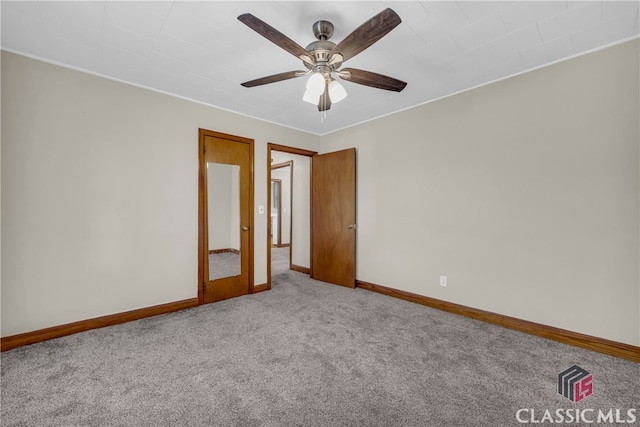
(226, 216)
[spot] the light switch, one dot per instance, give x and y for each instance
(261, 210)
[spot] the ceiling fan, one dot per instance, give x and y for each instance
(323, 58)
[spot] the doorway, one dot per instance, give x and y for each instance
(331, 216)
(293, 167)
(225, 216)
(281, 191)
(276, 212)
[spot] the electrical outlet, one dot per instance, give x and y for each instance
(443, 280)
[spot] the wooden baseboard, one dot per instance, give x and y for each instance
(225, 250)
(305, 270)
(14, 341)
(260, 288)
(600, 345)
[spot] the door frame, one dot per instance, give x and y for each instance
(203, 227)
(288, 164)
(279, 239)
(289, 150)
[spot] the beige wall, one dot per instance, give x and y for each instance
(525, 193)
(301, 201)
(99, 194)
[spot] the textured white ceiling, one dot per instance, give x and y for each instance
(200, 51)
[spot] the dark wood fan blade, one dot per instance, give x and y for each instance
(274, 78)
(324, 103)
(369, 78)
(273, 35)
(367, 34)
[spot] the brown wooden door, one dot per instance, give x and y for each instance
(220, 150)
(333, 217)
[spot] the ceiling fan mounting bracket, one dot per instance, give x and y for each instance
(323, 30)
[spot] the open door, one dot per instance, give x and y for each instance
(333, 217)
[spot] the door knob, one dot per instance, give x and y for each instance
(245, 228)
(351, 226)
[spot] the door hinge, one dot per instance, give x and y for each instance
(204, 287)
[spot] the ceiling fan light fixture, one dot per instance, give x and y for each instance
(311, 97)
(336, 91)
(315, 84)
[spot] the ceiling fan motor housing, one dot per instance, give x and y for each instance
(319, 51)
(321, 48)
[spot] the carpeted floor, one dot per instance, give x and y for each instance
(279, 260)
(305, 353)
